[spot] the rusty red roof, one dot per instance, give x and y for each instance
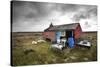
(63, 27)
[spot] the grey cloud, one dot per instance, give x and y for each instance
(86, 13)
(35, 10)
(30, 10)
(28, 14)
(67, 8)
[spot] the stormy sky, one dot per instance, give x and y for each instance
(36, 16)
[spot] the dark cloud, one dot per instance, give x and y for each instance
(30, 10)
(41, 10)
(86, 13)
(66, 8)
(27, 14)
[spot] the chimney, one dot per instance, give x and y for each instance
(51, 25)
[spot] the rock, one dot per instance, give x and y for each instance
(41, 41)
(72, 57)
(34, 42)
(85, 58)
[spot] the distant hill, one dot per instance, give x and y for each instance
(90, 31)
(26, 33)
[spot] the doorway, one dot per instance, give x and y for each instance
(69, 34)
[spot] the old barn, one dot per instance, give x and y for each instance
(67, 33)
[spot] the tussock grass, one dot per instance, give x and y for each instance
(25, 53)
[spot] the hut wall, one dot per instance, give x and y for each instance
(77, 32)
(50, 35)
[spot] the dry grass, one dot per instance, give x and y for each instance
(25, 53)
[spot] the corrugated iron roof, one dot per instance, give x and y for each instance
(63, 27)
